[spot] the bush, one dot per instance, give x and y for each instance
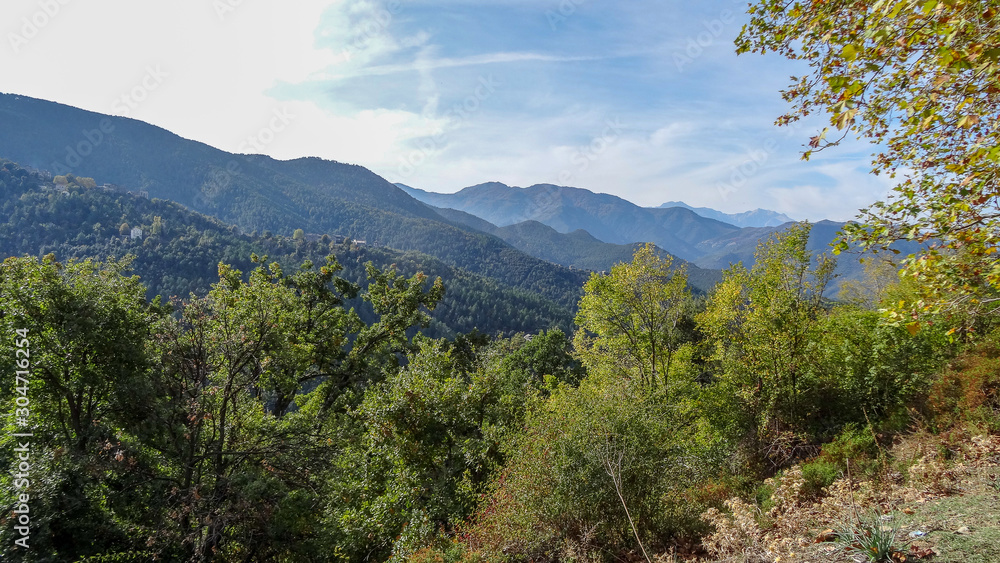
(818, 474)
(558, 495)
(969, 390)
(866, 370)
(854, 450)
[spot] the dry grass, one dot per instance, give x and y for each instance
(944, 509)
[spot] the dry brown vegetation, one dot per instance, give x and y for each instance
(935, 491)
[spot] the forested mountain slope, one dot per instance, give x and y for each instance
(578, 249)
(179, 250)
(258, 193)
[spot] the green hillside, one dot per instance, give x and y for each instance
(578, 249)
(179, 251)
(258, 193)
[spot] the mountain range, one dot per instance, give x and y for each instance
(705, 238)
(577, 249)
(543, 239)
(756, 218)
(260, 194)
(566, 209)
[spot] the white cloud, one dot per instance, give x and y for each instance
(427, 63)
(377, 84)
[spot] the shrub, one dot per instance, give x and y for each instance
(586, 455)
(818, 474)
(856, 446)
(969, 390)
(867, 370)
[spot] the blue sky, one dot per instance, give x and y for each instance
(643, 99)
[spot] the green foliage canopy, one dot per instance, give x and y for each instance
(921, 79)
(760, 323)
(630, 320)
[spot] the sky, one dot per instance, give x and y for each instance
(644, 99)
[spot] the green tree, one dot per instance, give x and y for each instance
(430, 438)
(251, 447)
(606, 467)
(759, 323)
(919, 79)
(299, 234)
(630, 319)
(89, 328)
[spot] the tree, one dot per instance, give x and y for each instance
(430, 442)
(124, 229)
(228, 366)
(88, 327)
(635, 315)
(921, 79)
(89, 324)
(254, 377)
(759, 323)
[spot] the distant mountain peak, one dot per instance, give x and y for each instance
(606, 217)
(756, 218)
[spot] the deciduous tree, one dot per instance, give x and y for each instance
(630, 319)
(921, 79)
(759, 322)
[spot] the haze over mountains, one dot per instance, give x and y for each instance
(608, 218)
(539, 239)
(712, 243)
(755, 218)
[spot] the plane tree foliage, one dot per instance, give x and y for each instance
(920, 79)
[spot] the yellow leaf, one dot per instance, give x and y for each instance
(913, 328)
